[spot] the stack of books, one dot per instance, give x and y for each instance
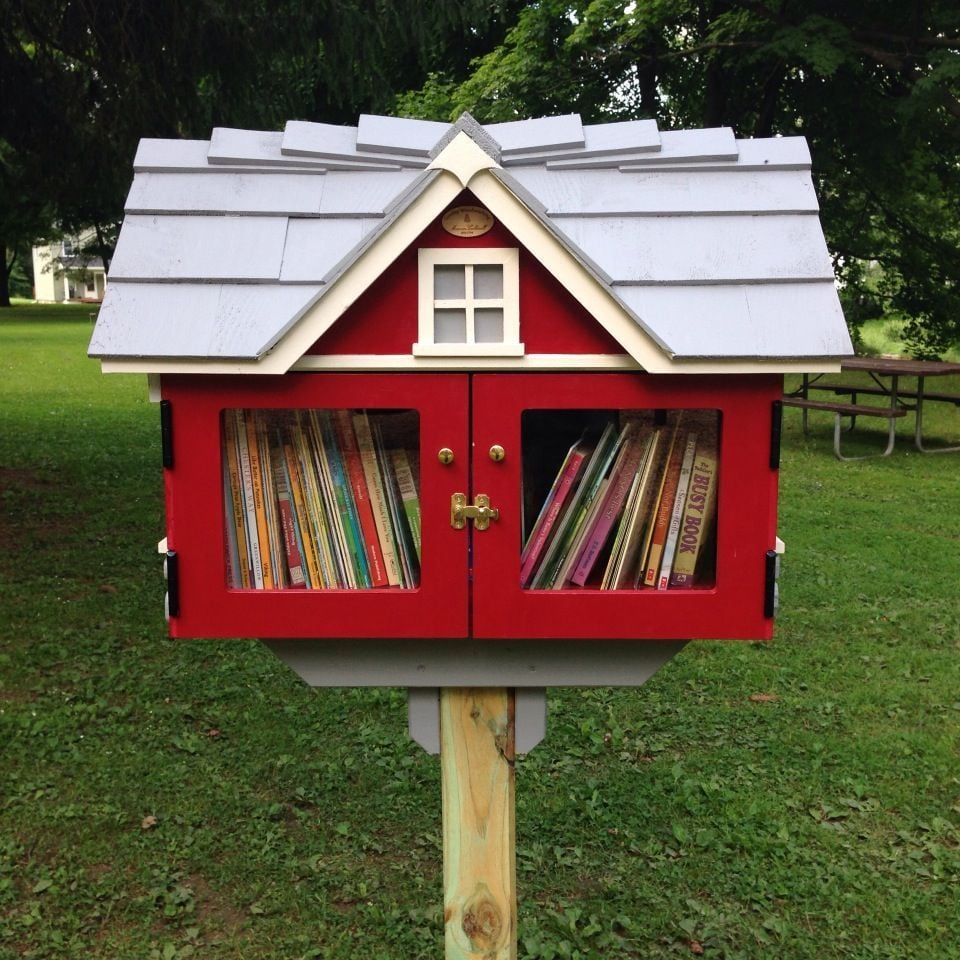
(630, 507)
(319, 499)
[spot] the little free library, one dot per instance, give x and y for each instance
(431, 380)
(451, 406)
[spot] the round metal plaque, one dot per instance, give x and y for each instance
(467, 221)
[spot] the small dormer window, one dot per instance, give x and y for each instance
(469, 303)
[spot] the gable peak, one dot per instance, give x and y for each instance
(466, 124)
(463, 157)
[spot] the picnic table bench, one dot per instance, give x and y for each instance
(851, 410)
(891, 369)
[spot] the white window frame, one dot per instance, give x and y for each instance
(468, 257)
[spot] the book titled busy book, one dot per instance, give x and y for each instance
(631, 506)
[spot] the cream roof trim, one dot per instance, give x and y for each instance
(463, 158)
(570, 272)
(410, 363)
(463, 164)
(364, 271)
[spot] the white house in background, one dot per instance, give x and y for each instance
(62, 272)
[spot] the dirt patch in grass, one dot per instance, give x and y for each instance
(216, 915)
(17, 696)
(14, 480)
(21, 478)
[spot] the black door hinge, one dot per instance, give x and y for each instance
(172, 570)
(166, 433)
(776, 429)
(770, 598)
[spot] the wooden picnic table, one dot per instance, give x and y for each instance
(885, 375)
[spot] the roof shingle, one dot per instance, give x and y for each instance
(712, 244)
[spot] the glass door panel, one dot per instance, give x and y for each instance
(619, 499)
(321, 499)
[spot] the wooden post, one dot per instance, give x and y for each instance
(477, 750)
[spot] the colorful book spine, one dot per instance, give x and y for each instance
(553, 505)
(312, 570)
(580, 499)
(278, 561)
(289, 525)
(683, 483)
(409, 495)
(595, 481)
(357, 556)
(330, 508)
(249, 501)
(378, 497)
(409, 568)
(562, 578)
(639, 521)
(361, 499)
(316, 511)
(241, 577)
(615, 560)
(698, 513)
(665, 499)
(260, 513)
(231, 553)
(658, 467)
(622, 476)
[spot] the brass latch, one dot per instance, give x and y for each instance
(481, 513)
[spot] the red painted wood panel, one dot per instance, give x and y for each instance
(195, 511)
(746, 511)
(455, 600)
(384, 319)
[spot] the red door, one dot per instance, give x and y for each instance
(516, 411)
(436, 605)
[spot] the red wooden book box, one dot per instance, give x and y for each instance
(437, 381)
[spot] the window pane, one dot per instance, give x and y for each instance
(448, 283)
(619, 499)
(321, 499)
(488, 325)
(488, 281)
(450, 326)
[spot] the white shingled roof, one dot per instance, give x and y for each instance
(710, 245)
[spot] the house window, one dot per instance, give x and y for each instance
(469, 303)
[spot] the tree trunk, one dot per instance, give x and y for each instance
(647, 79)
(769, 101)
(714, 82)
(5, 269)
(103, 248)
(714, 100)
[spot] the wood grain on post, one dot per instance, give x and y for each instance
(479, 865)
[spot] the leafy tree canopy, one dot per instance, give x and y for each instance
(874, 85)
(84, 80)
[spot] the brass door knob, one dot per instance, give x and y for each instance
(445, 455)
(497, 453)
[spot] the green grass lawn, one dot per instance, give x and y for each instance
(798, 799)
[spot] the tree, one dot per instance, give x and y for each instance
(22, 215)
(873, 84)
(84, 80)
